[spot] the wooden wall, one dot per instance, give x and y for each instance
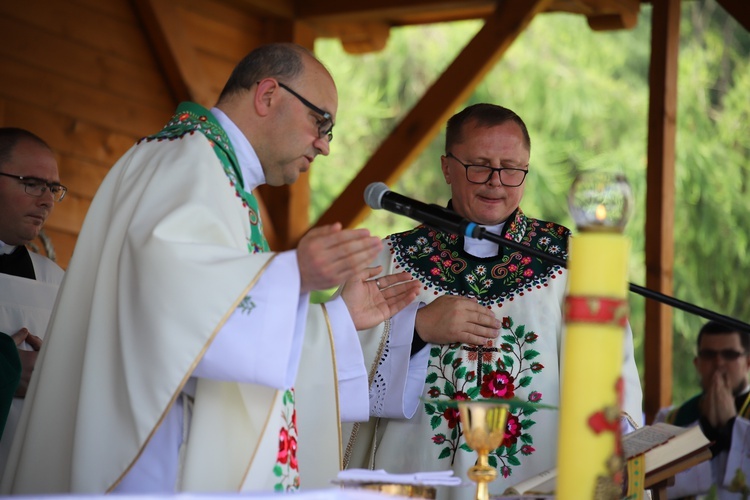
(83, 75)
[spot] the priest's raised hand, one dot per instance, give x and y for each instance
(372, 301)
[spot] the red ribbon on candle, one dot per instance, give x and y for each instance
(596, 310)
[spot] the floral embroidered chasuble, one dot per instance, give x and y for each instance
(527, 294)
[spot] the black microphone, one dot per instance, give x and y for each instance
(378, 196)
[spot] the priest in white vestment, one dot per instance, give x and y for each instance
(475, 292)
(29, 187)
(722, 410)
(183, 355)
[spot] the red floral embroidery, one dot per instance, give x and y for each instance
(283, 456)
(513, 431)
(498, 384)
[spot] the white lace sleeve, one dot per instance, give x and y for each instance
(399, 378)
(378, 387)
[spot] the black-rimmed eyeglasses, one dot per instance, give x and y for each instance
(481, 174)
(36, 187)
(726, 354)
(325, 126)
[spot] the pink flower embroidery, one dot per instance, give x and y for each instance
(498, 384)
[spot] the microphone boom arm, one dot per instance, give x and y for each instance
(378, 196)
(481, 233)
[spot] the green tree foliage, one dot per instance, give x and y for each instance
(584, 97)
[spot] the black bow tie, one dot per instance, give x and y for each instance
(18, 263)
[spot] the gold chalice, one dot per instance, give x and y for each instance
(483, 425)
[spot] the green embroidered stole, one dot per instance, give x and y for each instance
(189, 119)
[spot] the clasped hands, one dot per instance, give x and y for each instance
(717, 404)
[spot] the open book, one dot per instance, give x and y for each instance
(668, 449)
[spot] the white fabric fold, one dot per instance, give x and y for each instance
(431, 478)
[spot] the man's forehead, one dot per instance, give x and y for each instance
(720, 340)
(34, 160)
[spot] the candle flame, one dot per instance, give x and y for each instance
(601, 212)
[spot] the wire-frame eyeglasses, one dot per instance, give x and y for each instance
(725, 354)
(37, 187)
(481, 174)
(325, 126)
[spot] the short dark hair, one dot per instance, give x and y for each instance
(484, 115)
(714, 327)
(277, 60)
(11, 136)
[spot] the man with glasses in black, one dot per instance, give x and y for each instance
(488, 322)
(722, 410)
(184, 355)
(29, 188)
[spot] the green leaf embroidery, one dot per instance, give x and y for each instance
(448, 357)
(520, 331)
(512, 460)
(530, 354)
(449, 390)
(431, 378)
(445, 452)
(429, 409)
(526, 423)
(277, 471)
(435, 421)
(524, 382)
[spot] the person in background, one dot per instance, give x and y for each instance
(183, 354)
(29, 188)
(488, 322)
(722, 410)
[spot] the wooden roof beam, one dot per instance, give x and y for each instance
(739, 10)
(424, 121)
(347, 10)
(176, 55)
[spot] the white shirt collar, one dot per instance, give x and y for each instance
(5, 248)
(484, 248)
(252, 171)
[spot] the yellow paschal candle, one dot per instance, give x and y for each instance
(596, 311)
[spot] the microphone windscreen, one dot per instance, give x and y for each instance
(374, 195)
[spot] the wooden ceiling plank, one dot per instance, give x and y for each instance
(283, 9)
(660, 195)
(739, 10)
(428, 116)
(342, 10)
(166, 31)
